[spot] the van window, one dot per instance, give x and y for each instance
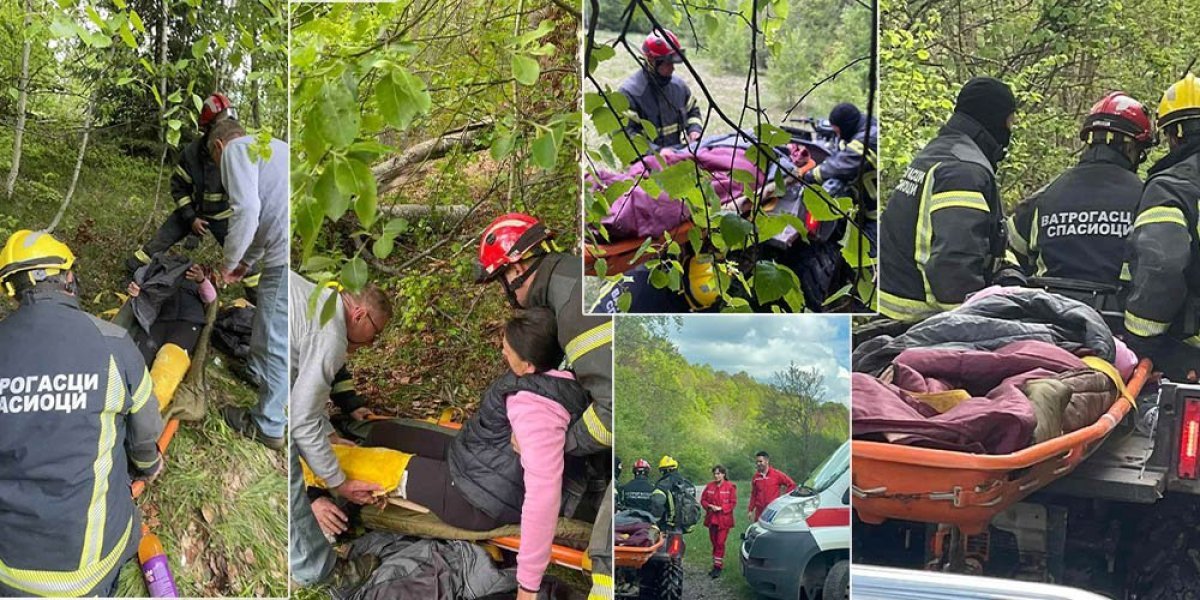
(828, 472)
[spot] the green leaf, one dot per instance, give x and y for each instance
(855, 249)
(383, 247)
(772, 135)
(600, 53)
(502, 146)
(545, 151)
(401, 97)
(200, 48)
(337, 117)
(642, 249)
(628, 152)
(150, 68)
(127, 37)
(137, 22)
(678, 179)
(95, 18)
(818, 203)
(328, 194)
(175, 97)
(772, 281)
(308, 222)
(525, 70)
(329, 309)
(173, 137)
(601, 267)
(735, 230)
(624, 301)
(395, 227)
(318, 263)
(366, 205)
(174, 124)
(354, 274)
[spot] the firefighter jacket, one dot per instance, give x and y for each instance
(667, 104)
(1164, 296)
(854, 162)
(640, 494)
(944, 231)
(587, 342)
(1075, 227)
(196, 185)
(76, 414)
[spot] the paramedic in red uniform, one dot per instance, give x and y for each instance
(718, 499)
(766, 485)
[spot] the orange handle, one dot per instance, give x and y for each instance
(559, 555)
(1021, 459)
(164, 440)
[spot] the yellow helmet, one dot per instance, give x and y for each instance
(703, 286)
(668, 463)
(36, 253)
(1180, 102)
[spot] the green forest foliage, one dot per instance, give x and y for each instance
(1060, 57)
(702, 417)
(372, 81)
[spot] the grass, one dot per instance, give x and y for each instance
(220, 507)
(699, 548)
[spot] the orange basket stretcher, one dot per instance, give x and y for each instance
(892, 481)
(635, 556)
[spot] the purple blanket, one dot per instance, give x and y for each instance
(997, 419)
(636, 214)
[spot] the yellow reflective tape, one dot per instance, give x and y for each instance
(183, 174)
(1111, 372)
(252, 281)
(816, 174)
(66, 583)
(1144, 327)
(695, 121)
(596, 427)
(602, 587)
(142, 394)
(669, 129)
(142, 256)
(903, 309)
(1126, 274)
(183, 201)
(214, 197)
(923, 242)
(1015, 239)
(1193, 341)
(221, 216)
(114, 401)
(346, 385)
(1161, 214)
(855, 146)
(589, 340)
(691, 103)
(959, 199)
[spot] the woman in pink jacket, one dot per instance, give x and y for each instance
(718, 499)
(507, 464)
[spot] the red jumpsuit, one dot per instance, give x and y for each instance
(766, 488)
(719, 520)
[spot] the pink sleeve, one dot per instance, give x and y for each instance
(208, 293)
(540, 426)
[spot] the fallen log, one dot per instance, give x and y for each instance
(390, 173)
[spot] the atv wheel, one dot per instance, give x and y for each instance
(670, 581)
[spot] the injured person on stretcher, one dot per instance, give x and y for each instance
(505, 466)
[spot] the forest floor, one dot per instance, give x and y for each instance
(220, 507)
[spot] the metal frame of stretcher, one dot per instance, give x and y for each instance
(963, 490)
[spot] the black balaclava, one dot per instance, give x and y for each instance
(847, 117)
(989, 101)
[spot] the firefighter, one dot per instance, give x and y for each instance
(944, 230)
(656, 95)
(77, 417)
(853, 163)
(201, 205)
(1163, 308)
(640, 494)
(669, 477)
(1075, 227)
(518, 251)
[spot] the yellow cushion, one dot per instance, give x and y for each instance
(382, 466)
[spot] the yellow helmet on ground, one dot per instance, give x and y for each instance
(1180, 102)
(35, 253)
(668, 463)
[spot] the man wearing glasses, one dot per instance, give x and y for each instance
(318, 351)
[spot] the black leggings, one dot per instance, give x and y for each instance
(181, 333)
(429, 481)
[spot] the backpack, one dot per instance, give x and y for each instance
(687, 508)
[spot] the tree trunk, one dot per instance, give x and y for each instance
(389, 173)
(83, 144)
(21, 98)
(255, 108)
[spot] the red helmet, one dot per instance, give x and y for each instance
(641, 464)
(506, 241)
(1119, 113)
(656, 47)
(213, 106)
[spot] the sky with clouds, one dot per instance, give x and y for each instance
(761, 345)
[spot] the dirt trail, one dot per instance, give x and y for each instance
(698, 585)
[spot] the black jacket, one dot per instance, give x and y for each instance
(1075, 227)
(483, 463)
(77, 413)
(1164, 250)
(669, 106)
(854, 163)
(196, 185)
(944, 232)
(640, 494)
(587, 342)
